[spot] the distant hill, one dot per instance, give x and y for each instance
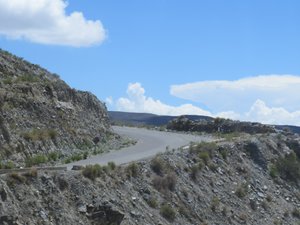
(129, 118)
(293, 129)
(140, 119)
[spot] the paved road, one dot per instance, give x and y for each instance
(149, 143)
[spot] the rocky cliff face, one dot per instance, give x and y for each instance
(41, 114)
(246, 180)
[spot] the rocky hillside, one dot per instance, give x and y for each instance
(218, 125)
(41, 114)
(251, 179)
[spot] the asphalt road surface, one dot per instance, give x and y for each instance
(149, 143)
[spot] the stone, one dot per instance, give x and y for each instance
(105, 215)
(82, 209)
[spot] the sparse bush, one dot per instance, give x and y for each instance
(29, 78)
(33, 172)
(17, 177)
(92, 171)
(224, 153)
(52, 134)
(8, 165)
(289, 167)
(168, 212)
(152, 202)
(62, 183)
(85, 155)
(242, 190)
(132, 170)
(112, 166)
(269, 198)
(205, 157)
(213, 167)
(53, 156)
(296, 213)
(158, 165)
(209, 147)
(36, 160)
(195, 169)
(40, 134)
(168, 182)
(273, 171)
(224, 211)
(215, 202)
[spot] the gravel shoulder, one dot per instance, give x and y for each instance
(149, 143)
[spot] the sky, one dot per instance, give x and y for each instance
(222, 58)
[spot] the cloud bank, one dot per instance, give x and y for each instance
(46, 22)
(239, 95)
(137, 101)
(266, 99)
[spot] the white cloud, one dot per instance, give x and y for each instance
(271, 115)
(239, 95)
(258, 110)
(46, 22)
(136, 101)
(109, 100)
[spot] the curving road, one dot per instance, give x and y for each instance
(149, 143)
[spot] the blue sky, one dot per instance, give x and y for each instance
(147, 47)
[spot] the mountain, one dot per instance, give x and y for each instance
(137, 119)
(41, 115)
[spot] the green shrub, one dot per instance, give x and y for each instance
(242, 190)
(132, 170)
(40, 134)
(52, 134)
(195, 169)
(152, 202)
(209, 147)
(33, 172)
(224, 153)
(204, 156)
(158, 165)
(7, 165)
(29, 78)
(273, 171)
(168, 212)
(17, 177)
(92, 171)
(215, 202)
(53, 156)
(111, 165)
(36, 160)
(289, 167)
(8, 81)
(168, 182)
(85, 155)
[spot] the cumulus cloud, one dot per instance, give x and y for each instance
(258, 111)
(137, 101)
(46, 22)
(239, 95)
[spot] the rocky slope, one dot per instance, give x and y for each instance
(219, 125)
(41, 114)
(251, 179)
